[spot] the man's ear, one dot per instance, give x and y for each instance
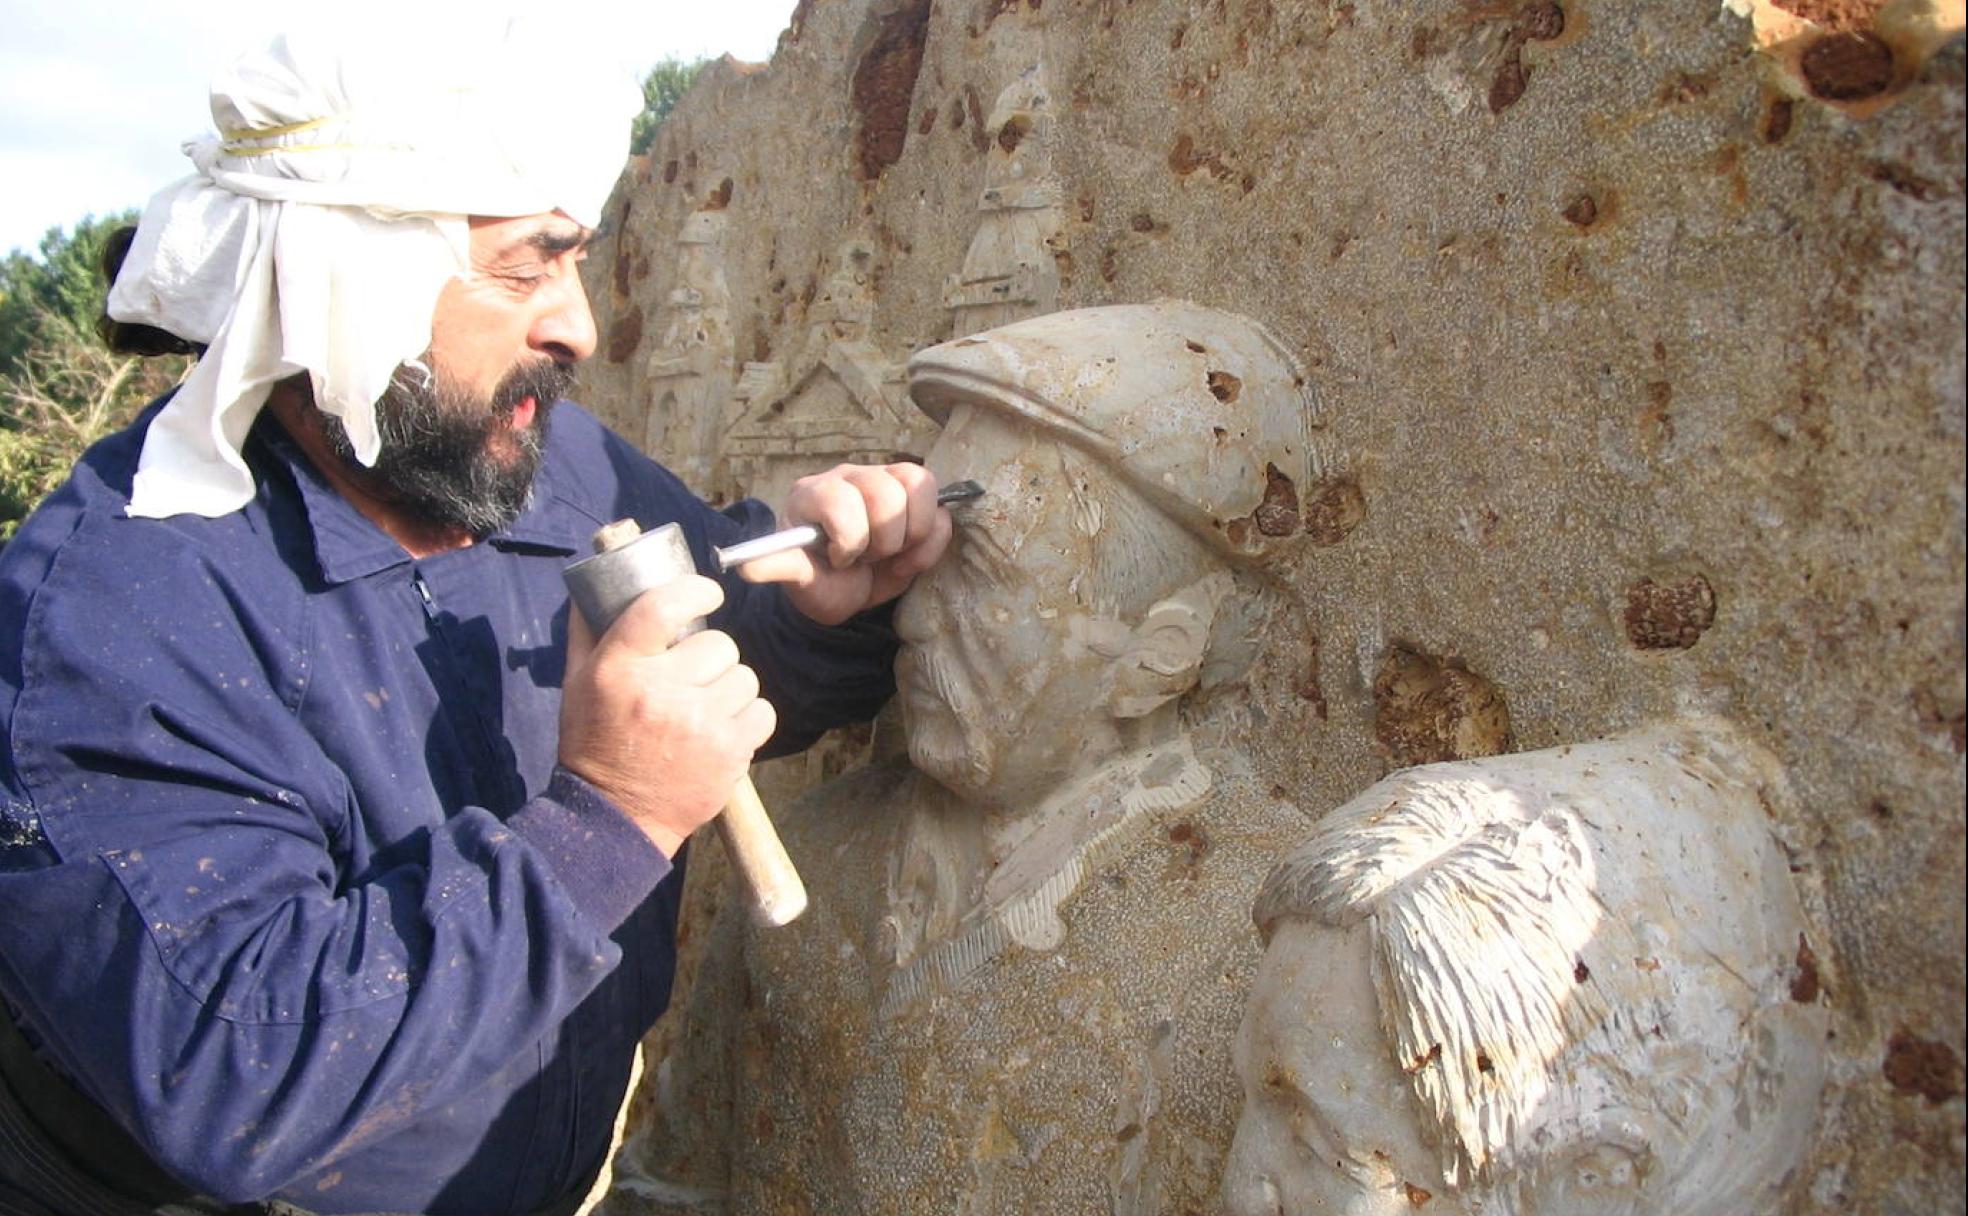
(1168, 648)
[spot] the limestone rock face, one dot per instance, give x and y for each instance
(1639, 328)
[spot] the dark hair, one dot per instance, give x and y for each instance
(121, 336)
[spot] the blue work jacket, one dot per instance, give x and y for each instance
(290, 883)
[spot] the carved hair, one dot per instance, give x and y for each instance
(1483, 918)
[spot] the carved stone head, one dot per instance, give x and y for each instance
(1124, 452)
(1563, 982)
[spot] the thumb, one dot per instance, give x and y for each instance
(580, 638)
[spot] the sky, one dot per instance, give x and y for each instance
(97, 95)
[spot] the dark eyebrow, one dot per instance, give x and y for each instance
(554, 242)
(546, 243)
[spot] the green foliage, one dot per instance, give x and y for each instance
(61, 389)
(669, 80)
(57, 297)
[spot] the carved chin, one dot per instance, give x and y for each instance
(946, 749)
(949, 736)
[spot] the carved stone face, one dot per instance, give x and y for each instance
(1328, 1127)
(1003, 695)
(1601, 1001)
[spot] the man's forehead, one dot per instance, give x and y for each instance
(547, 232)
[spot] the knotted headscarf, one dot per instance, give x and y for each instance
(323, 219)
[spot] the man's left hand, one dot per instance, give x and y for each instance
(883, 528)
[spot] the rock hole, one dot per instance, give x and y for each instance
(1848, 66)
(1224, 386)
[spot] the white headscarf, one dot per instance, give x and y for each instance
(330, 210)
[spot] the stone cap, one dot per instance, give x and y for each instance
(1202, 411)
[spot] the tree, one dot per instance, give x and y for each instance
(57, 297)
(61, 389)
(669, 80)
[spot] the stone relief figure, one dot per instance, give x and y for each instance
(837, 398)
(1009, 270)
(688, 374)
(1564, 982)
(1020, 977)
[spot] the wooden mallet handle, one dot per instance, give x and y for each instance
(626, 563)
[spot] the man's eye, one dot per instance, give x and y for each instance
(524, 279)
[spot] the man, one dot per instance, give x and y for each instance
(337, 863)
(1565, 982)
(1014, 991)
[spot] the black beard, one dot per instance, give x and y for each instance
(451, 457)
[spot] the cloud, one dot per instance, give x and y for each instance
(97, 95)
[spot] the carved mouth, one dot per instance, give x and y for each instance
(924, 683)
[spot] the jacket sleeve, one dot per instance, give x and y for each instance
(177, 931)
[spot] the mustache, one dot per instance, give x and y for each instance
(546, 382)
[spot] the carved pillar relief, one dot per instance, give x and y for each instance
(1009, 271)
(687, 377)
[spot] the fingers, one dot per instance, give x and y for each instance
(869, 512)
(651, 623)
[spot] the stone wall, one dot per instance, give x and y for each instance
(1639, 328)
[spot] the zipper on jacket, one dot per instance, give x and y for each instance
(460, 702)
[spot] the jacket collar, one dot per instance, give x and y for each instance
(349, 546)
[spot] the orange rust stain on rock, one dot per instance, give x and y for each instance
(1805, 985)
(625, 335)
(1914, 1065)
(1683, 88)
(1777, 118)
(1184, 159)
(1511, 79)
(1655, 419)
(1310, 687)
(1834, 15)
(883, 87)
(1277, 515)
(980, 138)
(1013, 133)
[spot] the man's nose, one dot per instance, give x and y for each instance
(565, 328)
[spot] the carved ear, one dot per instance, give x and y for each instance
(1168, 649)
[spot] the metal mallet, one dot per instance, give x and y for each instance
(627, 562)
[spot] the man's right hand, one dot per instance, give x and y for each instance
(664, 730)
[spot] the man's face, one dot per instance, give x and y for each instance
(997, 693)
(460, 446)
(1329, 1126)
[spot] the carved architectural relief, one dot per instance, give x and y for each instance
(1030, 930)
(1569, 981)
(687, 375)
(838, 397)
(1010, 270)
